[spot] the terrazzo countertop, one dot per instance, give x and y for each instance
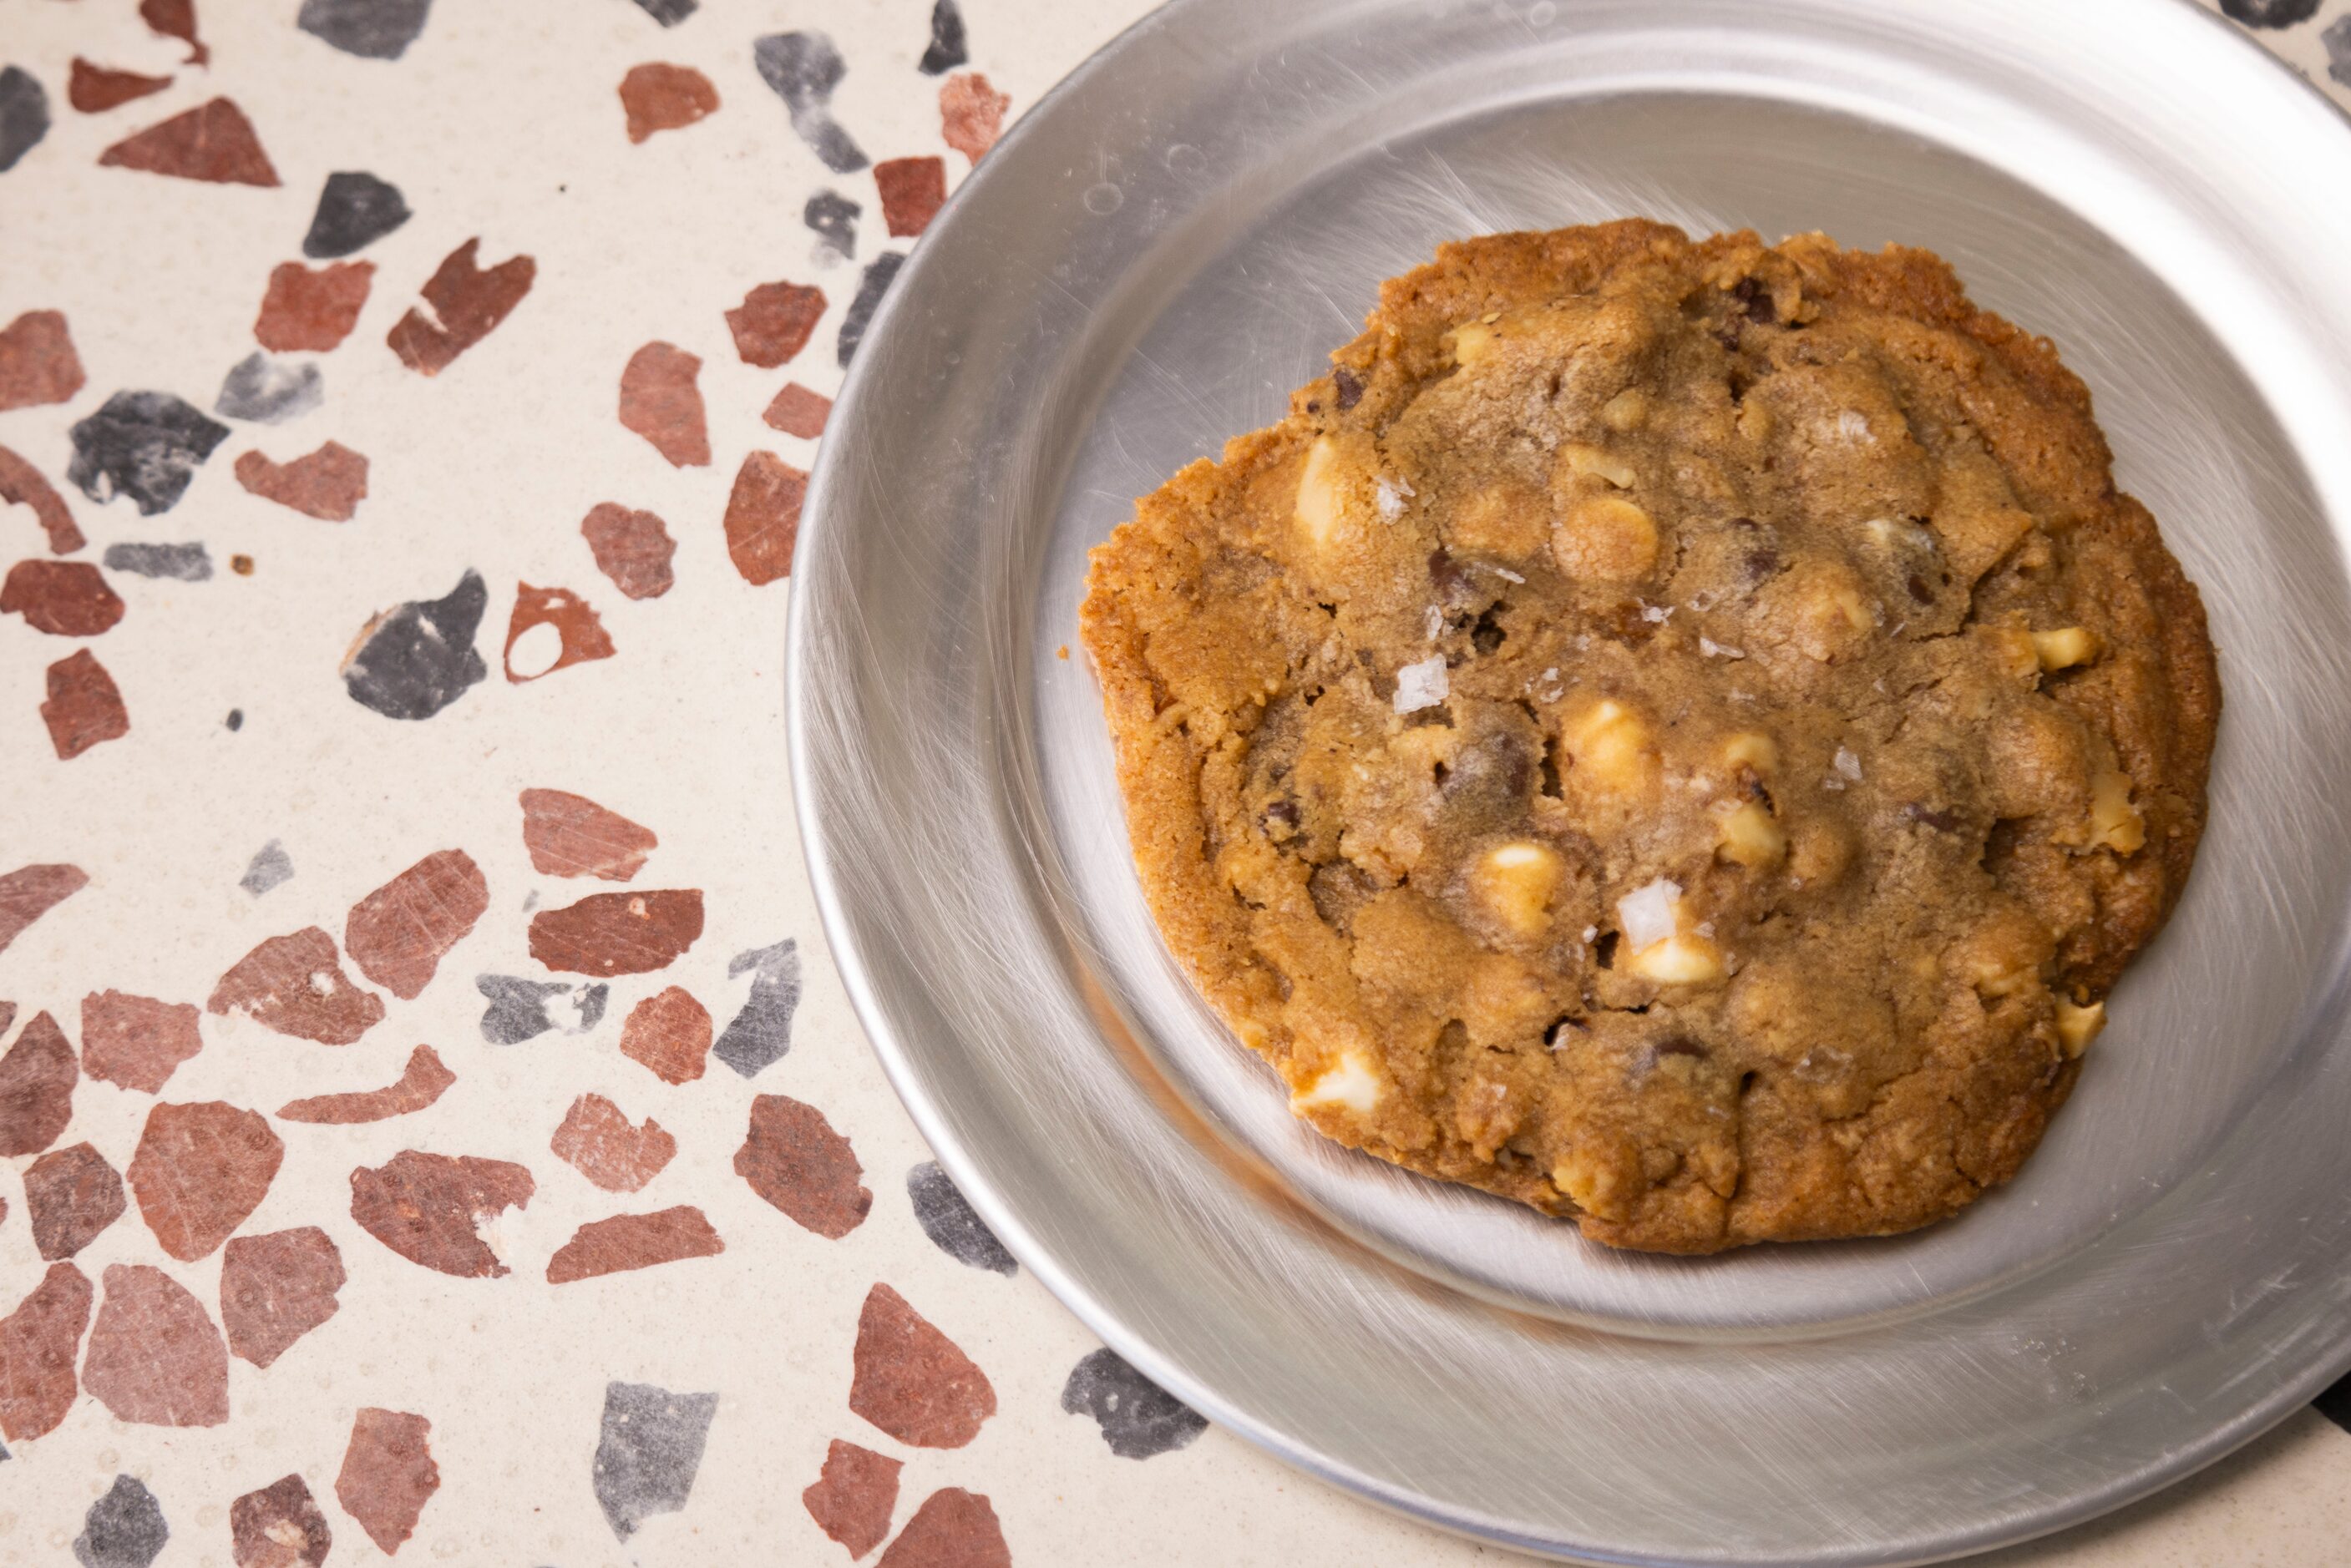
(436, 1129)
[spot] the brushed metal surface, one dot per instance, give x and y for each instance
(1147, 265)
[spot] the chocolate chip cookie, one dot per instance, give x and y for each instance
(1681, 734)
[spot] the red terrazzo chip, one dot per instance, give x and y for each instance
(154, 1357)
(971, 114)
(467, 304)
(796, 411)
(669, 1032)
(177, 19)
(313, 310)
(38, 1343)
(36, 1083)
(277, 1288)
(31, 891)
(912, 191)
(853, 1498)
(659, 97)
(199, 1171)
(327, 483)
(21, 485)
(763, 517)
(278, 1526)
(64, 598)
(572, 836)
(428, 1208)
(388, 1475)
(627, 1241)
(84, 708)
(214, 142)
(953, 1529)
(94, 90)
(775, 321)
(607, 934)
(633, 548)
(421, 1082)
(660, 401)
(912, 1381)
(37, 362)
(580, 636)
(296, 986)
(70, 1196)
(599, 1141)
(136, 1041)
(794, 1159)
(398, 934)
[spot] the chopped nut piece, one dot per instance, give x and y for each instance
(1592, 461)
(1515, 882)
(1605, 539)
(1318, 493)
(1609, 747)
(2114, 823)
(2077, 1026)
(1750, 836)
(1679, 961)
(1355, 1083)
(1627, 410)
(2064, 649)
(1820, 601)
(1751, 748)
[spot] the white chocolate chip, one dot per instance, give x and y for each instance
(1354, 1083)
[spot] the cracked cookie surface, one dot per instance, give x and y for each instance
(1683, 735)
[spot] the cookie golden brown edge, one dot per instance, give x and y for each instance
(1680, 734)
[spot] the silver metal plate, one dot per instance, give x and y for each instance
(1147, 265)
